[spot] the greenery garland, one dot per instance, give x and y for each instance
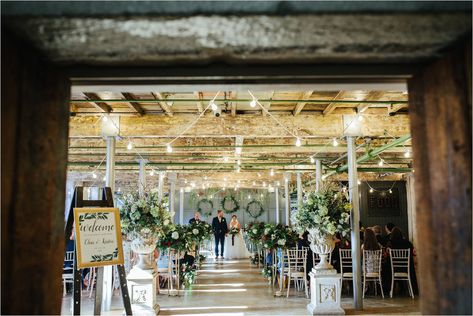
(205, 212)
(230, 198)
(250, 209)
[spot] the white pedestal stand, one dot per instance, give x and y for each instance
(325, 292)
(142, 289)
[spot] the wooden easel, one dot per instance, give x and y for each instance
(107, 201)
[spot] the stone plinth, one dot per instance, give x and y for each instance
(142, 289)
(325, 293)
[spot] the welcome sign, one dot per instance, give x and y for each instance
(98, 237)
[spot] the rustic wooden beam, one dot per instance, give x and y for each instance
(99, 105)
(133, 105)
(329, 109)
(232, 103)
(300, 105)
(267, 104)
(393, 108)
(200, 96)
(440, 111)
(162, 104)
(34, 157)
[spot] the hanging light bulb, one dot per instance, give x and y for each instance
(324, 177)
(298, 142)
(130, 145)
(271, 173)
(94, 175)
(119, 190)
(249, 196)
(169, 148)
(407, 154)
(185, 181)
(213, 106)
(381, 163)
(151, 173)
(235, 188)
(264, 184)
(239, 162)
(205, 177)
(335, 142)
(390, 191)
(203, 186)
(225, 159)
(225, 179)
(371, 190)
(312, 160)
(360, 117)
(253, 103)
(286, 180)
(238, 181)
(254, 183)
(278, 183)
(259, 175)
(105, 118)
(104, 178)
(238, 169)
(211, 197)
(261, 194)
(359, 182)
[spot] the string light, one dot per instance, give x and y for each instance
(298, 142)
(259, 175)
(381, 162)
(359, 182)
(238, 169)
(239, 162)
(335, 143)
(407, 154)
(390, 191)
(119, 190)
(253, 103)
(94, 175)
(225, 159)
(371, 190)
(278, 183)
(254, 183)
(169, 148)
(264, 184)
(286, 180)
(249, 196)
(151, 173)
(185, 181)
(205, 177)
(225, 179)
(105, 118)
(104, 178)
(324, 177)
(261, 194)
(271, 173)
(360, 117)
(213, 106)
(211, 197)
(129, 146)
(312, 159)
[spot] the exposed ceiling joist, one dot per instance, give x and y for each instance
(133, 105)
(200, 96)
(232, 103)
(300, 105)
(267, 104)
(166, 108)
(393, 108)
(99, 105)
(329, 109)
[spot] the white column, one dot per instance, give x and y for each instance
(288, 198)
(181, 206)
(411, 208)
(109, 182)
(355, 220)
(318, 175)
(161, 185)
(276, 197)
(142, 176)
(299, 190)
(172, 188)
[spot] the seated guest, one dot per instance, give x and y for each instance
(196, 218)
(397, 241)
(370, 242)
(377, 231)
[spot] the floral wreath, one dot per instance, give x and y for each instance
(253, 207)
(227, 199)
(204, 210)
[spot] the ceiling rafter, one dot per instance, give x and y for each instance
(200, 105)
(133, 105)
(329, 109)
(300, 105)
(166, 108)
(267, 104)
(99, 105)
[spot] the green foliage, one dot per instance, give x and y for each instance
(205, 207)
(200, 231)
(278, 236)
(145, 216)
(230, 204)
(185, 237)
(187, 275)
(254, 231)
(267, 272)
(327, 211)
(255, 209)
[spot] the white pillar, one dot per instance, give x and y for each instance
(181, 206)
(299, 190)
(172, 188)
(355, 220)
(288, 198)
(161, 185)
(142, 176)
(276, 197)
(109, 182)
(318, 175)
(411, 208)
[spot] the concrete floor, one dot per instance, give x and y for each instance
(235, 287)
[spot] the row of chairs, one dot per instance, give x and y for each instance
(400, 266)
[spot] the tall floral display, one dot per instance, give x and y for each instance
(323, 214)
(144, 220)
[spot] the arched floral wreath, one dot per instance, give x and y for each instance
(205, 207)
(230, 208)
(255, 209)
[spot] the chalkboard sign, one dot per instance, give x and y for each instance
(382, 203)
(98, 237)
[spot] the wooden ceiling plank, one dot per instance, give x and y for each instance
(268, 104)
(329, 109)
(200, 96)
(166, 108)
(99, 105)
(300, 105)
(135, 106)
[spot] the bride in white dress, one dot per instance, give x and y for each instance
(235, 247)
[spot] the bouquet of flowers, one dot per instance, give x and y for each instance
(327, 211)
(187, 275)
(145, 217)
(234, 231)
(254, 231)
(200, 231)
(268, 236)
(267, 272)
(284, 237)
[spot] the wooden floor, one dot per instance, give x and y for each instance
(235, 287)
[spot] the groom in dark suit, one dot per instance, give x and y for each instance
(220, 228)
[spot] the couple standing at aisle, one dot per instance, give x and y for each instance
(233, 249)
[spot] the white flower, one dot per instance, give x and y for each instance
(281, 242)
(166, 222)
(175, 235)
(255, 230)
(266, 231)
(195, 231)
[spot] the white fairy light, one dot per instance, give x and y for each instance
(390, 191)
(271, 173)
(225, 179)
(259, 175)
(254, 183)
(185, 181)
(211, 197)
(249, 196)
(312, 160)
(225, 159)
(238, 169)
(278, 183)
(261, 195)
(130, 145)
(151, 173)
(371, 190)
(407, 154)
(253, 103)
(169, 148)
(324, 177)
(205, 177)
(104, 178)
(360, 117)
(381, 162)
(239, 162)
(105, 118)
(298, 142)
(264, 184)
(359, 182)
(213, 106)
(94, 175)
(335, 142)
(238, 181)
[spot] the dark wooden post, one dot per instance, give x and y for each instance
(35, 114)
(440, 111)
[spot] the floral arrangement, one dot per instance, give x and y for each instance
(230, 204)
(187, 275)
(145, 217)
(327, 211)
(200, 231)
(254, 231)
(267, 272)
(179, 239)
